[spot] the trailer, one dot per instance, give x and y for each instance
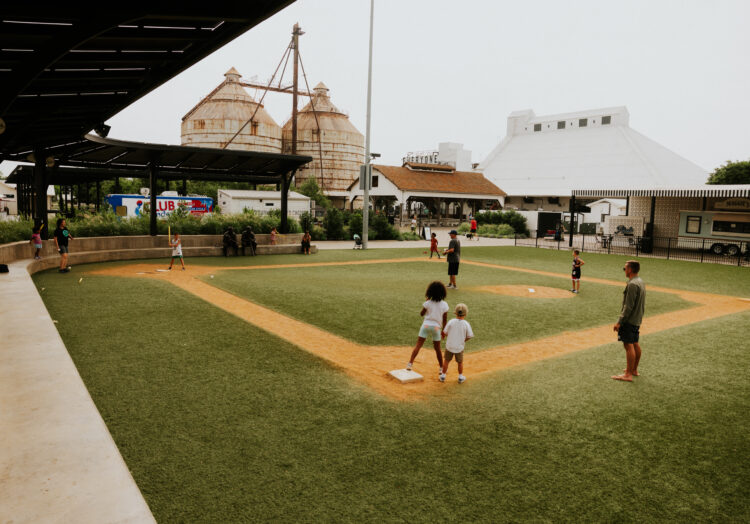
(721, 232)
(134, 205)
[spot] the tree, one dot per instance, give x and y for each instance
(731, 173)
(311, 189)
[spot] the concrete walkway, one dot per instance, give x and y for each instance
(442, 236)
(58, 462)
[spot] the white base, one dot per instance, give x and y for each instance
(405, 376)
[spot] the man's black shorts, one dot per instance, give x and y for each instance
(576, 273)
(628, 333)
(453, 268)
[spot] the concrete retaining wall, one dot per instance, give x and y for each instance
(86, 250)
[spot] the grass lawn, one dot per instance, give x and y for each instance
(221, 422)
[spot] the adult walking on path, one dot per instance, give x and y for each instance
(629, 323)
(62, 236)
(454, 257)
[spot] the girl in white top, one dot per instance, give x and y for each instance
(176, 250)
(435, 313)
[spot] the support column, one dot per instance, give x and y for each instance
(284, 197)
(40, 192)
(98, 195)
(184, 187)
(650, 227)
(152, 174)
(572, 220)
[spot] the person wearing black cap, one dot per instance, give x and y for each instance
(454, 257)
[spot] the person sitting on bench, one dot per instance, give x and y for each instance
(230, 240)
(248, 240)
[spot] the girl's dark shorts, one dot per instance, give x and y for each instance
(628, 333)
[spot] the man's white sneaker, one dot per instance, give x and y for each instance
(442, 377)
(461, 379)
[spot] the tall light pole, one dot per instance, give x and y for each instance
(366, 196)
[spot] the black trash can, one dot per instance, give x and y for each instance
(647, 245)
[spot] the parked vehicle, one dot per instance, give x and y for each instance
(722, 232)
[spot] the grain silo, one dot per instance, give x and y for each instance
(331, 133)
(218, 117)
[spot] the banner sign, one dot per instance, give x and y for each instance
(134, 205)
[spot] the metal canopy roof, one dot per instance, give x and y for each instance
(66, 68)
(104, 159)
(719, 191)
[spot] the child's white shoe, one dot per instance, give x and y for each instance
(408, 366)
(461, 379)
(442, 377)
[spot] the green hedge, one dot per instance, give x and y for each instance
(496, 231)
(15, 230)
(106, 223)
(516, 220)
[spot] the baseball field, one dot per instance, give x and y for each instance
(256, 389)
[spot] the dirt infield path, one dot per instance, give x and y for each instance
(370, 364)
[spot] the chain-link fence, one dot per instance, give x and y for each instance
(692, 249)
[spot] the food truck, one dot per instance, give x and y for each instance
(134, 205)
(721, 232)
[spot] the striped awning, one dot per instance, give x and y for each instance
(720, 191)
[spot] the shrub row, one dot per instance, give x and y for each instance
(514, 219)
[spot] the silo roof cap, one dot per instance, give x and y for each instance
(233, 75)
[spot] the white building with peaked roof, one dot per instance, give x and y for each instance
(262, 202)
(542, 159)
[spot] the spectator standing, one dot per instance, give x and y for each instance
(36, 240)
(62, 236)
(306, 239)
(629, 324)
(454, 258)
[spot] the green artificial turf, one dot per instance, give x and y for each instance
(221, 422)
(379, 304)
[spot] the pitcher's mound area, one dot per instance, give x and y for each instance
(527, 291)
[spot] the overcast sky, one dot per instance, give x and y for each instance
(453, 71)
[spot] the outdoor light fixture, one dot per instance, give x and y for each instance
(375, 155)
(102, 130)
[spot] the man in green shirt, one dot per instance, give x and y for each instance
(629, 323)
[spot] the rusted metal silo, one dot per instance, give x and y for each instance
(341, 143)
(220, 115)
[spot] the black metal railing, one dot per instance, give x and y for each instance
(692, 249)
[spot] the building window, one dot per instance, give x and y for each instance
(537, 127)
(528, 200)
(725, 226)
(606, 120)
(561, 124)
(693, 225)
(554, 200)
(583, 122)
(374, 180)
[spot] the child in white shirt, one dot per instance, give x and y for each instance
(456, 333)
(435, 313)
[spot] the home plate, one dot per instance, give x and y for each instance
(163, 270)
(405, 376)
